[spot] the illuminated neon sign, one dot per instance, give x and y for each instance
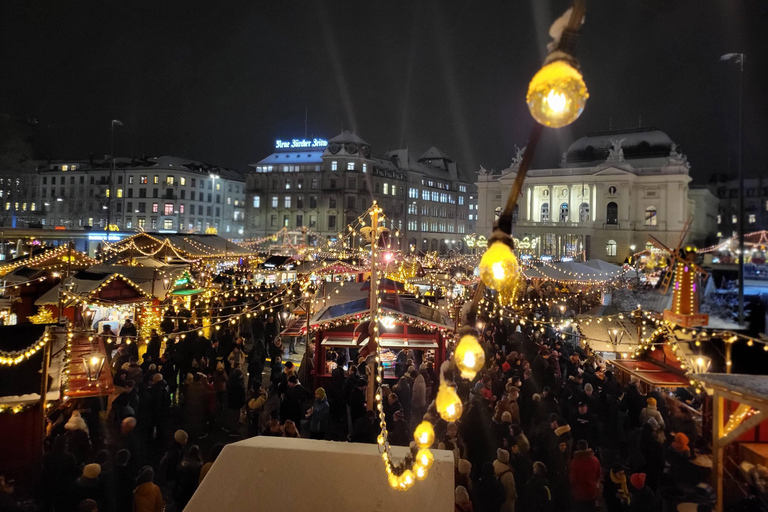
(300, 143)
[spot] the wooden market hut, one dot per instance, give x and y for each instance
(406, 324)
(739, 433)
(23, 348)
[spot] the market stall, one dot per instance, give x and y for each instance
(416, 330)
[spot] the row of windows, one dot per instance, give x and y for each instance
(142, 192)
(751, 218)
(611, 213)
(169, 181)
(15, 206)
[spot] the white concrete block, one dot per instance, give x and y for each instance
(275, 473)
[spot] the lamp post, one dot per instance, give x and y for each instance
(739, 59)
(111, 175)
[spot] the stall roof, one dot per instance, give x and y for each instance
(22, 378)
(652, 373)
(751, 385)
(394, 305)
(86, 284)
(275, 261)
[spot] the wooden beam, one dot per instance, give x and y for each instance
(718, 418)
(735, 396)
(745, 425)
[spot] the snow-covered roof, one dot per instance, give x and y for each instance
(636, 143)
(749, 385)
(346, 137)
(300, 156)
(434, 154)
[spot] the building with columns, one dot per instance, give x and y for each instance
(611, 191)
(324, 186)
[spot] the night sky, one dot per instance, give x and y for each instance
(220, 81)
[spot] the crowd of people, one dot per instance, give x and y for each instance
(545, 427)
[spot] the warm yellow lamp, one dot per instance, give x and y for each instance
(499, 268)
(420, 472)
(557, 94)
(425, 458)
(448, 403)
(424, 434)
(407, 479)
(469, 356)
(394, 480)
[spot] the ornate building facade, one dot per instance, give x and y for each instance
(611, 191)
(325, 185)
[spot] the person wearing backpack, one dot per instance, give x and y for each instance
(503, 472)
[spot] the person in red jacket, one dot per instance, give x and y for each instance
(585, 474)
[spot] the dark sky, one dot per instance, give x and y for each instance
(220, 81)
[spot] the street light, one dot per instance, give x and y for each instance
(739, 58)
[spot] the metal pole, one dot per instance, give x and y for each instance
(111, 179)
(371, 391)
(741, 190)
(44, 381)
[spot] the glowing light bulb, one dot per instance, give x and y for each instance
(424, 435)
(500, 270)
(394, 481)
(425, 458)
(420, 472)
(557, 94)
(470, 356)
(407, 479)
(448, 403)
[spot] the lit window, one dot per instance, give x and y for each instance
(650, 216)
(734, 219)
(334, 165)
(168, 224)
(365, 168)
(64, 167)
(169, 181)
(394, 192)
(752, 218)
(154, 207)
(386, 188)
(610, 248)
(287, 184)
(181, 208)
(156, 179)
(350, 166)
(182, 181)
(218, 186)
(130, 180)
(106, 193)
(32, 207)
(143, 180)
(119, 192)
(168, 210)
(274, 201)
(287, 201)
(719, 219)
(24, 207)
(256, 201)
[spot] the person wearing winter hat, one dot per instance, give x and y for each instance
(643, 499)
(172, 458)
(78, 440)
(462, 501)
(503, 472)
(680, 444)
(538, 490)
(319, 415)
(461, 475)
(147, 496)
(650, 411)
(87, 486)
